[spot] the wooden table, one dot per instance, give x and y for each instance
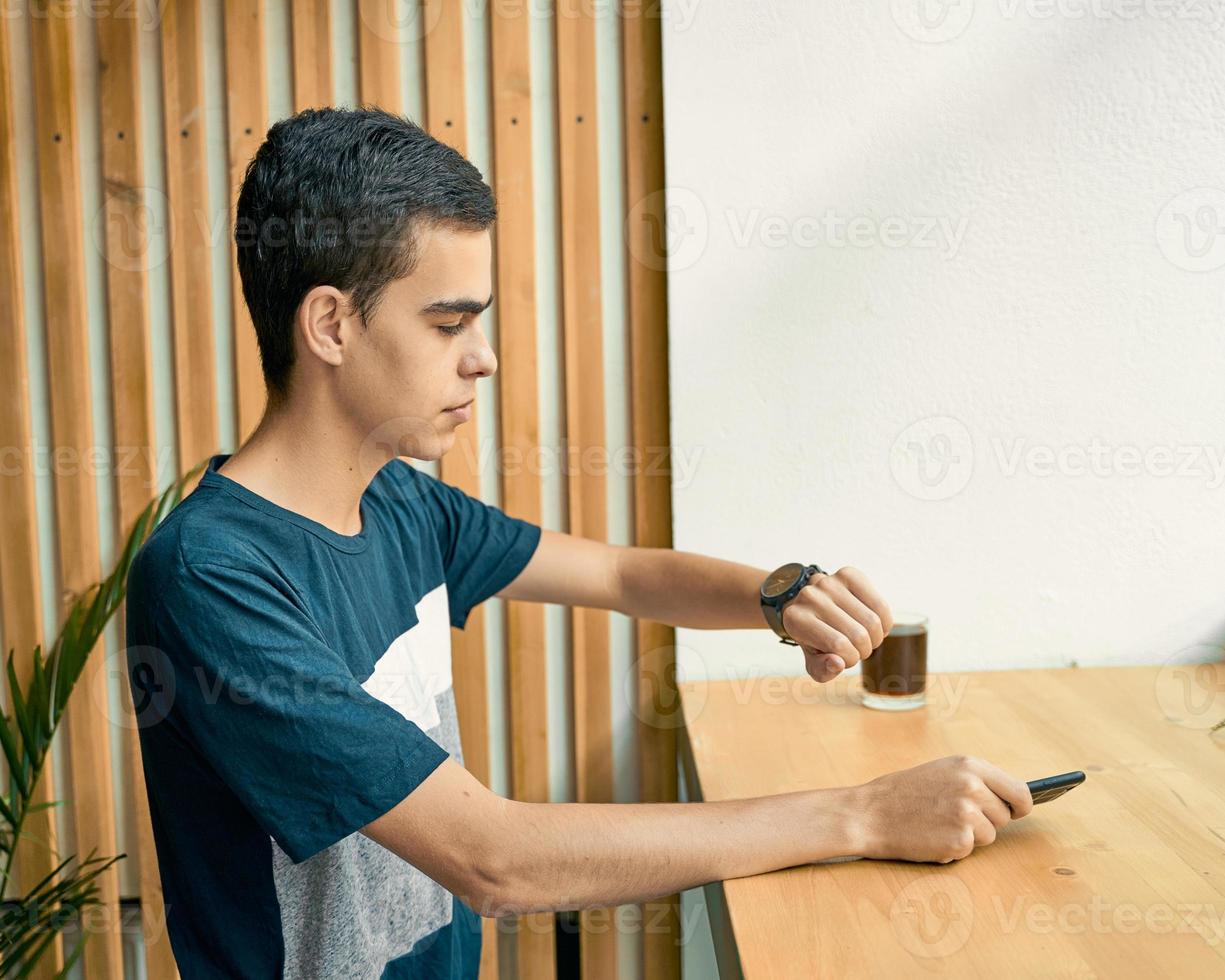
(1122, 877)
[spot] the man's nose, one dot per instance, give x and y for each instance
(481, 361)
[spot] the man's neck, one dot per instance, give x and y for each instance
(304, 468)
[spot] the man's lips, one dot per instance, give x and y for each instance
(466, 404)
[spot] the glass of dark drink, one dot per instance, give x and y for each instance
(895, 676)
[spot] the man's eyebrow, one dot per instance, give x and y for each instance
(463, 305)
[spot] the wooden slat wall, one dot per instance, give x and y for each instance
(246, 100)
(647, 300)
(76, 503)
(378, 68)
(312, 53)
(515, 256)
(446, 119)
(579, 169)
(128, 244)
(21, 597)
(381, 29)
(191, 291)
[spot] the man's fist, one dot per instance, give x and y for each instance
(939, 811)
(838, 620)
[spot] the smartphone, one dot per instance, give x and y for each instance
(1053, 787)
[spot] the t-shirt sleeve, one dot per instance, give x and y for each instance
(275, 710)
(483, 548)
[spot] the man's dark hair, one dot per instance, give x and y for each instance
(337, 197)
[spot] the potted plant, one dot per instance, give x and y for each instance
(30, 924)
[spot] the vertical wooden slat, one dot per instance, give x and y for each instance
(190, 259)
(312, 54)
(378, 69)
(579, 175)
(127, 246)
(246, 101)
(446, 120)
(515, 257)
(20, 590)
(647, 304)
(76, 503)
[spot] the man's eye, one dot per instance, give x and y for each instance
(451, 329)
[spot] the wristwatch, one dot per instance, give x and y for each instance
(780, 587)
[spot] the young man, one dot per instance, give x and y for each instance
(289, 622)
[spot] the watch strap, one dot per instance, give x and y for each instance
(773, 610)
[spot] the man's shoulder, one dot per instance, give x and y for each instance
(194, 533)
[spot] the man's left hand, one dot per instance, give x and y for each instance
(838, 620)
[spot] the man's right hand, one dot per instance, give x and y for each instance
(939, 811)
(505, 857)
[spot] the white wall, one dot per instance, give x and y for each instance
(945, 299)
(946, 305)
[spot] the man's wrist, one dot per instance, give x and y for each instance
(840, 811)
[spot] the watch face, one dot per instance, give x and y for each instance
(781, 579)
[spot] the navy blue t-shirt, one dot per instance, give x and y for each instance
(291, 685)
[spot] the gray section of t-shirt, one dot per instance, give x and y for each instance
(355, 906)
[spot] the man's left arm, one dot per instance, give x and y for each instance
(837, 619)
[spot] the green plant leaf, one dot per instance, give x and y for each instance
(11, 752)
(30, 925)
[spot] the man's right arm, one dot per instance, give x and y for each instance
(504, 857)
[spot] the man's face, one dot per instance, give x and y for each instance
(423, 350)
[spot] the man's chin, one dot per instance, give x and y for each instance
(437, 447)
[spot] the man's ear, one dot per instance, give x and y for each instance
(323, 321)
